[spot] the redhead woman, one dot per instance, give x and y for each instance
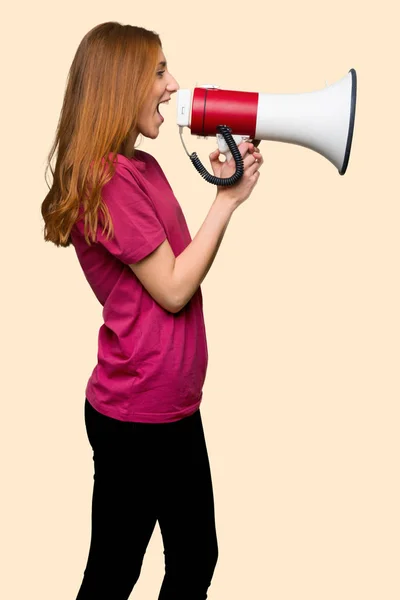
(114, 205)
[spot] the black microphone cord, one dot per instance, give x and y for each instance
(221, 181)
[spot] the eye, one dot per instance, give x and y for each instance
(160, 73)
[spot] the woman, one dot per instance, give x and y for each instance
(142, 400)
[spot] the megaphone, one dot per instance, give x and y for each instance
(322, 121)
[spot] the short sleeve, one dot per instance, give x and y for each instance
(137, 228)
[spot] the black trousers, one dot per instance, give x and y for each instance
(144, 473)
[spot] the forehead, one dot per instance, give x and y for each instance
(161, 56)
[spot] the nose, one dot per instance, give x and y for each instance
(173, 85)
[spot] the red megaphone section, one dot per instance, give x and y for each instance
(212, 107)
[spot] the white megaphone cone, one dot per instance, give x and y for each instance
(322, 121)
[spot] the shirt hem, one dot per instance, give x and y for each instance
(134, 417)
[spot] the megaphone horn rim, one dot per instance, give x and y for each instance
(351, 123)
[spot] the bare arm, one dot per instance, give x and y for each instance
(173, 281)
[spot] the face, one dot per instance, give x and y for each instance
(150, 119)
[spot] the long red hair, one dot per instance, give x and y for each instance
(110, 76)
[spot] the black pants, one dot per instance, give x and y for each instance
(144, 472)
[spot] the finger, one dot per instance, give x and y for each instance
(214, 155)
(259, 158)
(249, 160)
(254, 163)
(253, 149)
(245, 147)
(255, 176)
(253, 168)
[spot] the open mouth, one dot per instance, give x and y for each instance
(158, 107)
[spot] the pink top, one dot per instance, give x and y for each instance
(151, 363)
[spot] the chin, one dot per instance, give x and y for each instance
(152, 134)
(150, 128)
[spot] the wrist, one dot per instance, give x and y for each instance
(226, 201)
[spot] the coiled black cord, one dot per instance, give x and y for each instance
(223, 181)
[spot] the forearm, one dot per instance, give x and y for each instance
(193, 264)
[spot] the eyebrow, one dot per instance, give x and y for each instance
(162, 64)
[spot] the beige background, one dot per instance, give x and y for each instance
(301, 402)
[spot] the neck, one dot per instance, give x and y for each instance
(128, 146)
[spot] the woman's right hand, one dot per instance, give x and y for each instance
(252, 161)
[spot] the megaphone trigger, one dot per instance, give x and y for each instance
(222, 145)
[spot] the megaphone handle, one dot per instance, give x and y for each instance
(223, 146)
(226, 133)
